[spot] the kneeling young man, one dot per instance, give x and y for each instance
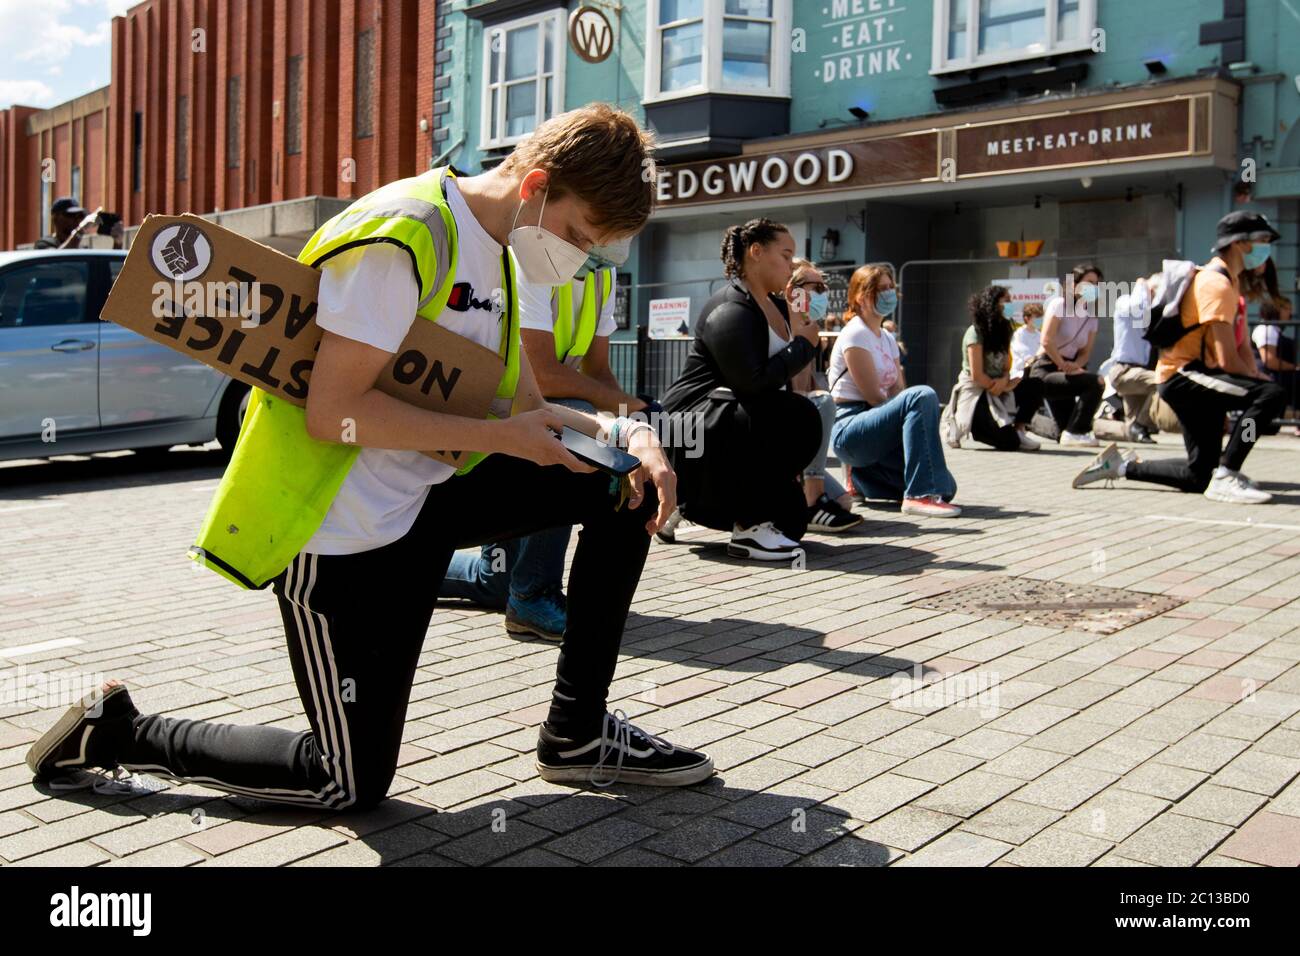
(355, 537)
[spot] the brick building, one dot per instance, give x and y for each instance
(221, 105)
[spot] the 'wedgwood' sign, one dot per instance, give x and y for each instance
(898, 159)
(249, 311)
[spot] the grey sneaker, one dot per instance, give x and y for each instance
(1105, 467)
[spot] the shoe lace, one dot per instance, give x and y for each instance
(117, 781)
(620, 742)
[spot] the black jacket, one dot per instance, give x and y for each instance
(730, 351)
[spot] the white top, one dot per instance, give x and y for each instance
(369, 294)
(1072, 328)
(1265, 335)
(536, 313)
(774, 342)
(883, 350)
(1025, 343)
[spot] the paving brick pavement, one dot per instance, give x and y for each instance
(851, 724)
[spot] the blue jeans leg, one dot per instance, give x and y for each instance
(482, 578)
(894, 449)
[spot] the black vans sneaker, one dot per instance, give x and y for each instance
(622, 753)
(91, 734)
(830, 516)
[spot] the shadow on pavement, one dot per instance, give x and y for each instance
(727, 823)
(47, 478)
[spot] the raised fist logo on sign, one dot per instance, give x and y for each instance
(181, 252)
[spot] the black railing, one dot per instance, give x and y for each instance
(648, 366)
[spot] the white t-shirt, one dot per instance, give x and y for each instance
(1073, 326)
(883, 350)
(369, 294)
(535, 312)
(1025, 343)
(1264, 335)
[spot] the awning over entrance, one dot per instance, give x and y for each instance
(1185, 125)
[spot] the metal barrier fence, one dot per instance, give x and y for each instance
(648, 366)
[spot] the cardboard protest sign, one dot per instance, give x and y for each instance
(250, 312)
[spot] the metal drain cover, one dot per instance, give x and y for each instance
(1079, 607)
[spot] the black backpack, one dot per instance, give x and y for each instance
(1166, 328)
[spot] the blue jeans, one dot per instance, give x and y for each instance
(520, 569)
(894, 449)
(817, 467)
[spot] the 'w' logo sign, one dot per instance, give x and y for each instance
(591, 35)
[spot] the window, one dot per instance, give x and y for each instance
(137, 151)
(972, 33)
(47, 198)
(182, 138)
(233, 112)
(523, 83)
(364, 91)
(76, 183)
(721, 46)
(44, 293)
(293, 106)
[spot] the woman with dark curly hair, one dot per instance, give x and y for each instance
(758, 435)
(987, 403)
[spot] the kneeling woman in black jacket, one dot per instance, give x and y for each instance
(758, 435)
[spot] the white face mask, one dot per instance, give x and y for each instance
(543, 257)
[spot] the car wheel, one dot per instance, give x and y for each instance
(231, 416)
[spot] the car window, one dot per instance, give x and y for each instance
(43, 293)
(114, 267)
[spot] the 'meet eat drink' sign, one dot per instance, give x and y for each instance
(250, 312)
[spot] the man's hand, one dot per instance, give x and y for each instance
(654, 469)
(534, 436)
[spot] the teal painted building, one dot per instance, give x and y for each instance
(917, 132)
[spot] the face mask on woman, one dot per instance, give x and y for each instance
(1087, 292)
(818, 303)
(1008, 310)
(1258, 255)
(886, 301)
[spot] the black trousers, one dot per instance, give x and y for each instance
(753, 455)
(1201, 397)
(1073, 398)
(984, 427)
(355, 624)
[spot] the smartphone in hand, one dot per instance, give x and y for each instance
(607, 458)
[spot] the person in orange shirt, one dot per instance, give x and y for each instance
(1203, 376)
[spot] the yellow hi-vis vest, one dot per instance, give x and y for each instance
(281, 482)
(575, 331)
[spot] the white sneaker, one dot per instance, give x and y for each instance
(931, 506)
(1086, 440)
(1105, 467)
(1027, 441)
(763, 543)
(1232, 487)
(668, 533)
